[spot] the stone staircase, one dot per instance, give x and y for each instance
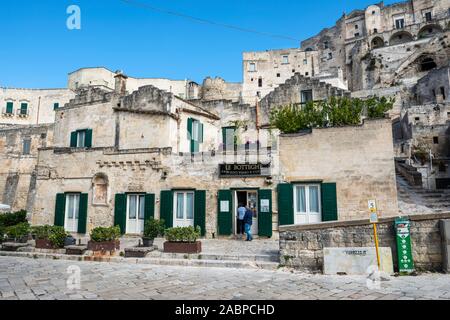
(416, 198)
(259, 254)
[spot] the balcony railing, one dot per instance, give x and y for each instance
(8, 113)
(23, 113)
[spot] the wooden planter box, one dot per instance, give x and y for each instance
(104, 246)
(182, 247)
(45, 244)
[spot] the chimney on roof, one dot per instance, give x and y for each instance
(121, 83)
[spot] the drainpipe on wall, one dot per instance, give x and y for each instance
(257, 129)
(38, 110)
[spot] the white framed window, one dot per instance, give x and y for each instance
(81, 139)
(307, 204)
(285, 59)
(183, 209)
(399, 23)
(135, 213)
(26, 147)
(252, 67)
(306, 96)
(72, 212)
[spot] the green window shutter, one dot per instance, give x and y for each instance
(73, 139)
(23, 108)
(166, 208)
(285, 204)
(60, 208)
(120, 212)
(189, 128)
(9, 107)
(225, 218)
(224, 139)
(329, 202)
(56, 106)
(88, 138)
(265, 218)
(195, 146)
(82, 216)
(149, 206)
(200, 211)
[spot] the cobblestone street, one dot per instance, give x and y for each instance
(24, 278)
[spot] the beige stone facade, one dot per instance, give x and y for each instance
(357, 159)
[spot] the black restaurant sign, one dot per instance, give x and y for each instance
(232, 170)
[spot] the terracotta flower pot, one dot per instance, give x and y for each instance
(182, 247)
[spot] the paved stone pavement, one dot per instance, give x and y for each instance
(25, 278)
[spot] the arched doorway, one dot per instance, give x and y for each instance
(377, 42)
(400, 37)
(429, 31)
(427, 64)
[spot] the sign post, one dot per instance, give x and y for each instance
(374, 221)
(404, 247)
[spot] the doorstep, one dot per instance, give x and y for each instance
(149, 261)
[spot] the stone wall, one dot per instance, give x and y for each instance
(359, 159)
(301, 247)
(434, 87)
(17, 172)
(272, 70)
(103, 77)
(149, 171)
(291, 93)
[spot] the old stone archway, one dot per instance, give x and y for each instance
(400, 37)
(427, 64)
(100, 189)
(429, 31)
(377, 42)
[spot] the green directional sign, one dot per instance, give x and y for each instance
(404, 247)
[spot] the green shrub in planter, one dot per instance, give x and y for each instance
(183, 234)
(13, 218)
(19, 231)
(2, 233)
(55, 234)
(154, 228)
(102, 234)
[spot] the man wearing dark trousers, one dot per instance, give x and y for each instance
(248, 221)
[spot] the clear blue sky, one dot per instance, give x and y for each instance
(38, 51)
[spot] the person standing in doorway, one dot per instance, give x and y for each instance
(248, 221)
(240, 219)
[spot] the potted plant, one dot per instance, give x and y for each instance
(152, 229)
(49, 237)
(18, 233)
(105, 239)
(183, 240)
(69, 241)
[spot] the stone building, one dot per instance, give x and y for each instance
(403, 27)
(119, 149)
(31, 106)
(19, 146)
(192, 166)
